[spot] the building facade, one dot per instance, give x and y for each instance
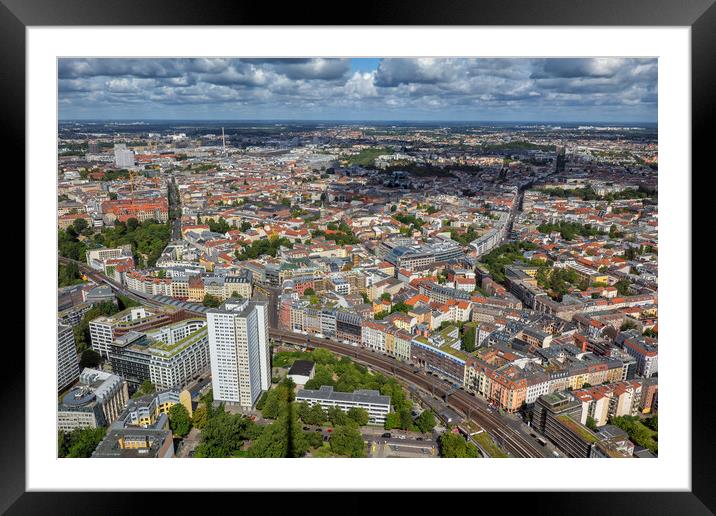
(68, 369)
(239, 351)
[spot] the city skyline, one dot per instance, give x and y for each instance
(556, 90)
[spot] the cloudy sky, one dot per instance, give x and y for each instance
(558, 90)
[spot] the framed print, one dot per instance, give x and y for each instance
(289, 254)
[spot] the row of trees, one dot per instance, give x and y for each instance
(315, 415)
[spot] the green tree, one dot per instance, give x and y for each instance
(347, 441)
(145, 388)
(358, 415)
(323, 356)
(68, 275)
(179, 420)
(317, 416)
(271, 407)
(392, 420)
(272, 443)
(628, 324)
(211, 301)
(309, 292)
(223, 435)
(425, 421)
(591, 423)
(469, 338)
(80, 225)
(622, 287)
(89, 358)
(454, 445)
(337, 417)
(80, 443)
(315, 439)
(200, 417)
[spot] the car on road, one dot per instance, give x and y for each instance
(306, 428)
(386, 435)
(329, 430)
(401, 437)
(418, 438)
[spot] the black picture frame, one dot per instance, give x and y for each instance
(700, 15)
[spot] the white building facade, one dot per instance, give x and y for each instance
(68, 369)
(239, 351)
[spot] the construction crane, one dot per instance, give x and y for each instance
(132, 178)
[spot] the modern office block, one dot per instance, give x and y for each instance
(239, 351)
(377, 405)
(68, 369)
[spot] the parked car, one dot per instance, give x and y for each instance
(401, 437)
(386, 435)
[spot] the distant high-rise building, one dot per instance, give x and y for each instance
(68, 369)
(239, 351)
(123, 157)
(560, 160)
(93, 147)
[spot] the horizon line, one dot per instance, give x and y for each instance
(338, 120)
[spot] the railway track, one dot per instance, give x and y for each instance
(514, 442)
(100, 278)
